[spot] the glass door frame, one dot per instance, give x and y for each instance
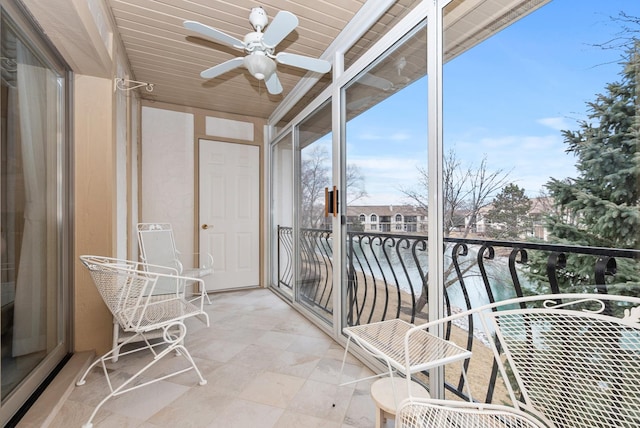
(407, 25)
(64, 203)
(432, 13)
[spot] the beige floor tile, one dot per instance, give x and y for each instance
(295, 364)
(236, 334)
(273, 389)
(144, 402)
(266, 366)
(197, 408)
(219, 350)
(361, 410)
(322, 400)
(311, 345)
(257, 356)
(277, 339)
(331, 371)
(231, 378)
(297, 420)
(74, 414)
(247, 414)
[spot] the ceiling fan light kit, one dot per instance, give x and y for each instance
(259, 47)
(260, 66)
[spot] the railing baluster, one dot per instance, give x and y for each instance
(390, 242)
(605, 266)
(554, 262)
(384, 277)
(483, 270)
(513, 259)
(423, 274)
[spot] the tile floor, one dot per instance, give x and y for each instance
(266, 366)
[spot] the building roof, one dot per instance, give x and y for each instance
(385, 210)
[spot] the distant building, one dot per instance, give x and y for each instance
(387, 218)
(539, 208)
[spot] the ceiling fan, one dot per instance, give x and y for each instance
(259, 45)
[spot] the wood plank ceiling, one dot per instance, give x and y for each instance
(161, 51)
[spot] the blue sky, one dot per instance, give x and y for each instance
(506, 99)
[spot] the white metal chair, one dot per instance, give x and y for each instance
(385, 340)
(158, 247)
(148, 313)
(417, 412)
(570, 360)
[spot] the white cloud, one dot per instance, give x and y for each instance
(385, 175)
(557, 123)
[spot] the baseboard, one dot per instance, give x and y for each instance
(47, 406)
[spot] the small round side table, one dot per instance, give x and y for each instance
(383, 397)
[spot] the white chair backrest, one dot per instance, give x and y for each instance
(574, 359)
(123, 289)
(130, 291)
(158, 248)
(422, 413)
(569, 360)
(157, 245)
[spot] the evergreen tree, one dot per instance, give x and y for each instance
(600, 207)
(508, 217)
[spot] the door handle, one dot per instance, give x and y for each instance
(206, 226)
(331, 201)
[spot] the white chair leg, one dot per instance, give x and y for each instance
(124, 387)
(116, 337)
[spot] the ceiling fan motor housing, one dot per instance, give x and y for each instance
(253, 43)
(258, 18)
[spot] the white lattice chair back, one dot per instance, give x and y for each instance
(427, 413)
(574, 359)
(568, 361)
(131, 293)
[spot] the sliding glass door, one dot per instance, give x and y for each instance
(281, 253)
(385, 241)
(32, 208)
(314, 235)
(301, 226)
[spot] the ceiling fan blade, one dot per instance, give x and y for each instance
(214, 34)
(375, 81)
(283, 24)
(219, 69)
(312, 64)
(273, 84)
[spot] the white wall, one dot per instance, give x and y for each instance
(168, 172)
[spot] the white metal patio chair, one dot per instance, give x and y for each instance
(147, 313)
(570, 361)
(158, 247)
(417, 412)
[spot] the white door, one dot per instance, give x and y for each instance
(229, 213)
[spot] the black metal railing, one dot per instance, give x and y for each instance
(387, 277)
(315, 281)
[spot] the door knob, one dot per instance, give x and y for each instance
(206, 226)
